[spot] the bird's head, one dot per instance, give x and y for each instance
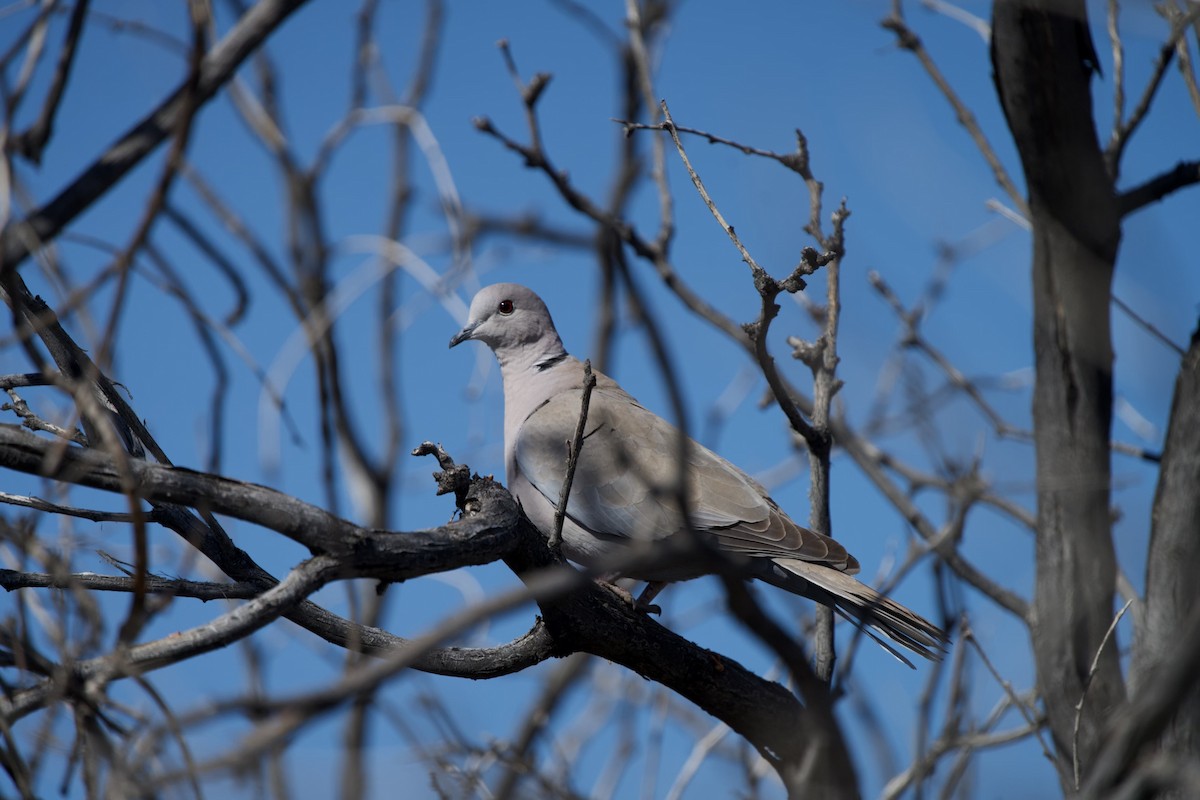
(508, 317)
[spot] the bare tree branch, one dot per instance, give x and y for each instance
(909, 40)
(1185, 173)
(219, 65)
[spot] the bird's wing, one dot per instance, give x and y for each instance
(627, 468)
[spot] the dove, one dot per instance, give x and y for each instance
(623, 490)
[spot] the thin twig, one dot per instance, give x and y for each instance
(968, 635)
(1123, 131)
(669, 124)
(909, 40)
(1118, 56)
(576, 444)
(622, 229)
(35, 423)
(1184, 56)
(788, 160)
(658, 172)
(958, 14)
(912, 336)
(31, 142)
(1145, 324)
(1087, 682)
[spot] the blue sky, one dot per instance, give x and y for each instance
(880, 135)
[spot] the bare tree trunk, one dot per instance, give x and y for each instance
(1174, 557)
(1043, 59)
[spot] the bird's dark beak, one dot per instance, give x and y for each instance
(464, 334)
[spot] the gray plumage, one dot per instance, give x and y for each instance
(627, 465)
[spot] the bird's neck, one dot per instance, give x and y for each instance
(530, 376)
(519, 360)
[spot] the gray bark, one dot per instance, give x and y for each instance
(1173, 562)
(1043, 59)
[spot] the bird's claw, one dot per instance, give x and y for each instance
(640, 604)
(647, 608)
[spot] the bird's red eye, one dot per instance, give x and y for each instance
(505, 307)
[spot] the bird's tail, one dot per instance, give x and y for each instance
(866, 608)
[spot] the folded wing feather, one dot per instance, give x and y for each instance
(626, 470)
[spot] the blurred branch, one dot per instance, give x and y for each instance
(92, 675)
(31, 142)
(19, 238)
(1173, 11)
(477, 226)
(535, 157)
(641, 19)
(907, 39)
(565, 677)
(1027, 709)
(1123, 129)
(871, 460)
(1112, 15)
(913, 338)
(209, 249)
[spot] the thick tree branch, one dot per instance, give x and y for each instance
(594, 620)
(1185, 173)
(588, 618)
(29, 453)
(362, 552)
(11, 580)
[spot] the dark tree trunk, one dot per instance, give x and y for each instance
(1174, 559)
(1043, 58)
